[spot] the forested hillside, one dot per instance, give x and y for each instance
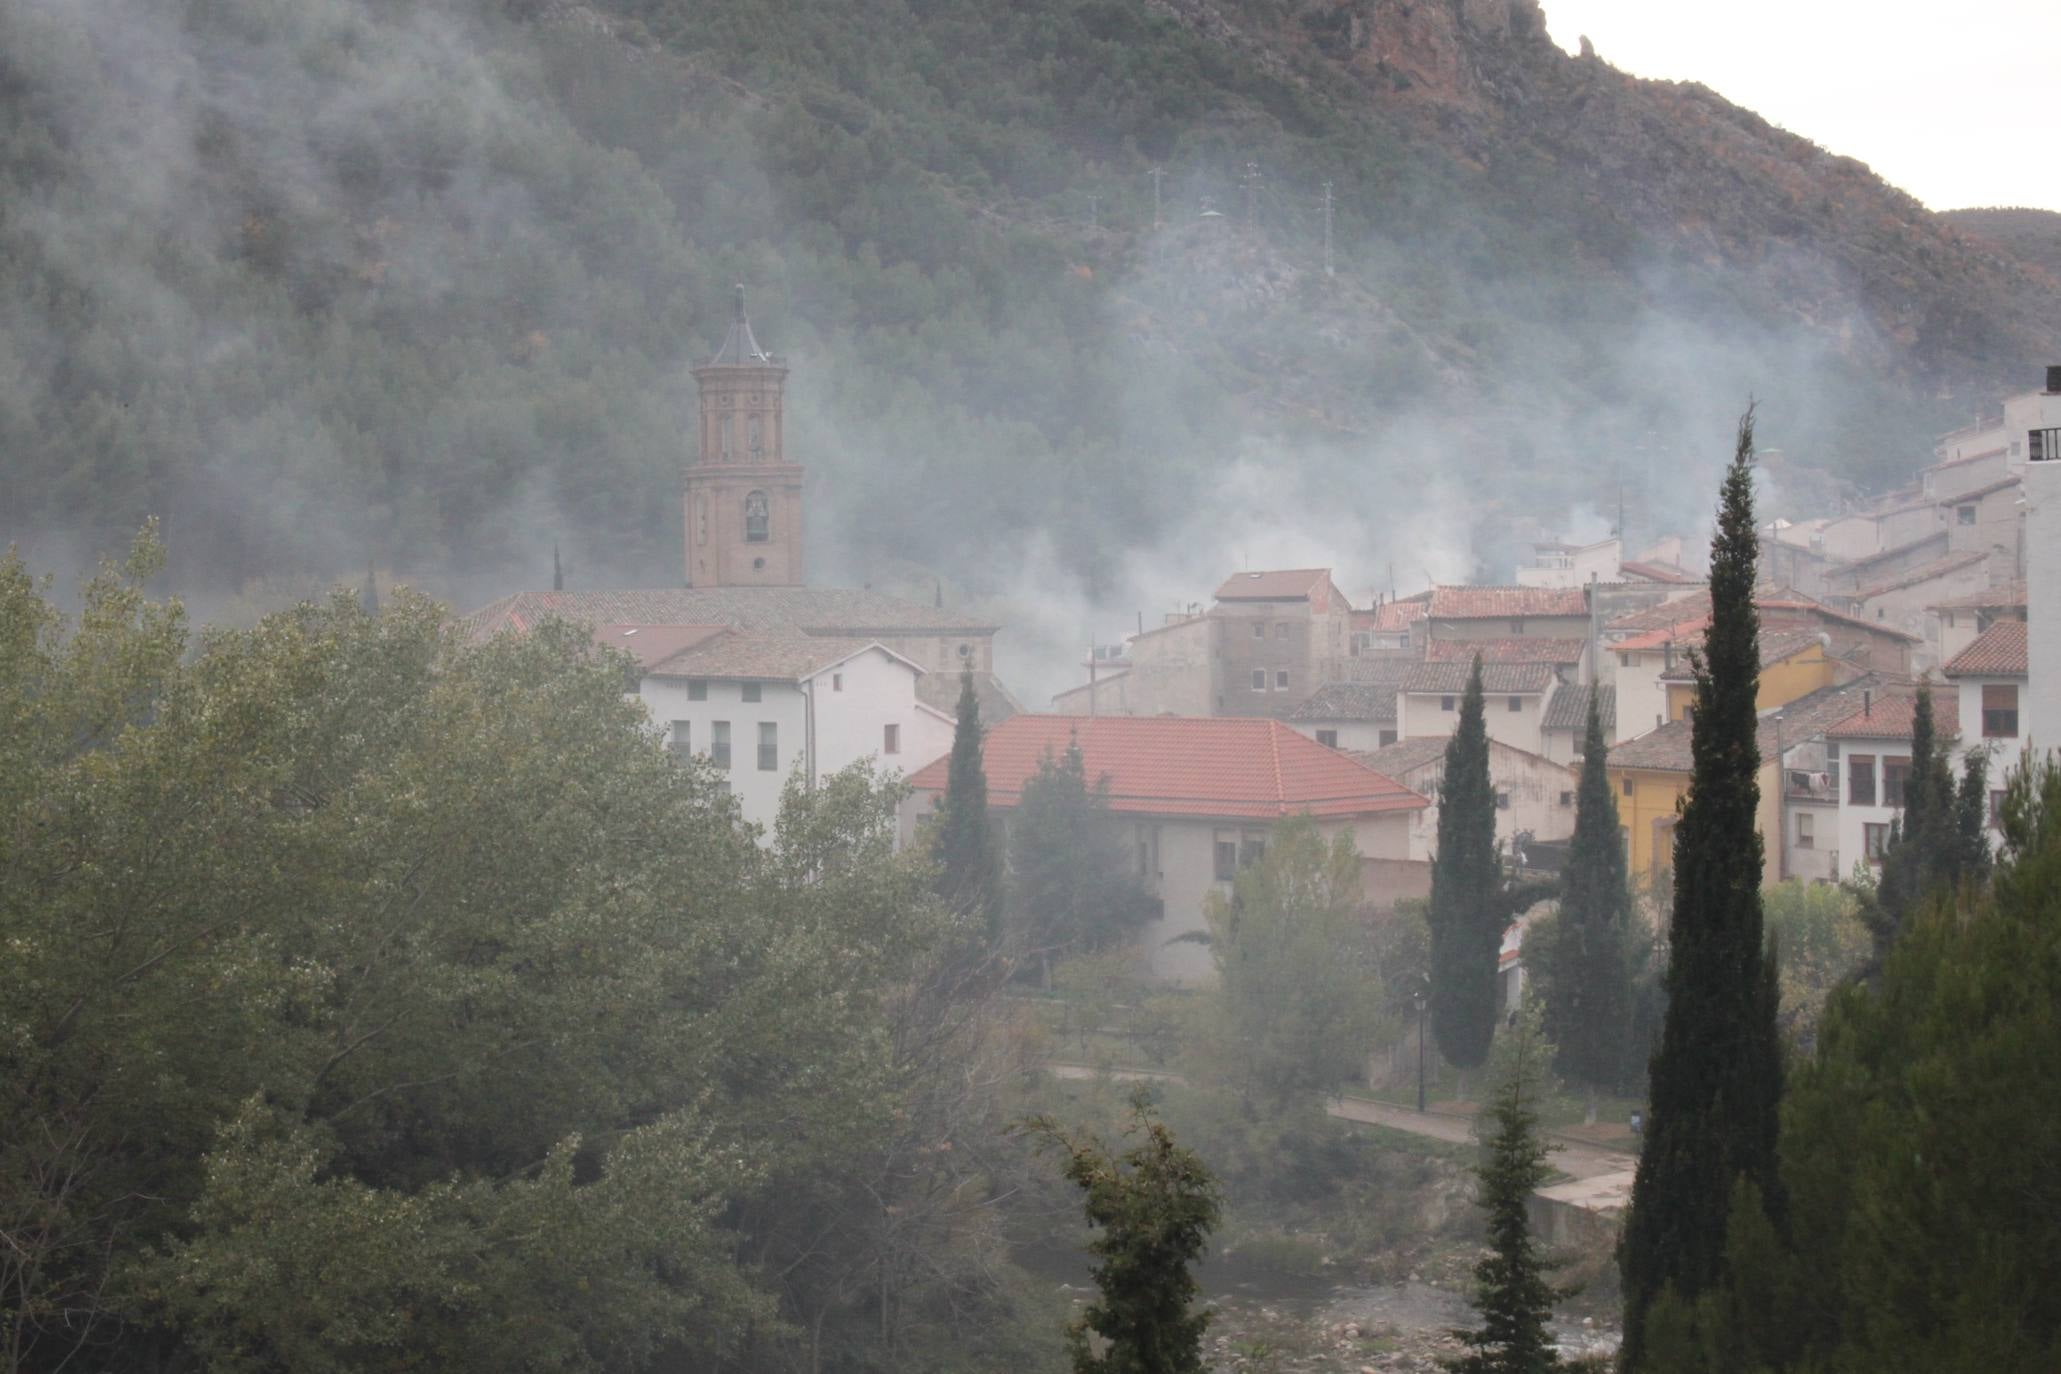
(329, 282)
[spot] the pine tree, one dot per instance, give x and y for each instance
(1717, 1078)
(1156, 1205)
(1938, 841)
(1467, 912)
(1511, 1294)
(970, 873)
(1584, 960)
(1072, 888)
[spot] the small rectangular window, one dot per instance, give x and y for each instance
(890, 739)
(1894, 771)
(1251, 852)
(697, 689)
(1259, 629)
(1806, 830)
(1281, 630)
(1259, 679)
(719, 743)
(1281, 681)
(1567, 799)
(837, 682)
(1966, 515)
(1628, 787)
(1502, 801)
(2000, 710)
(1328, 738)
(769, 747)
(1517, 703)
(751, 691)
(1387, 737)
(1445, 703)
(1874, 839)
(682, 740)
(1860, 779)
(1226, 860)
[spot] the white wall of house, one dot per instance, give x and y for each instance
(1641, 695)
(2043, 592)
(1857, 815)
(781, 705)
(1346, 734)
(1810, 847)
(1532, 793)
(2006, 747)
(858, 699)
(1421, 714)
(855, 702)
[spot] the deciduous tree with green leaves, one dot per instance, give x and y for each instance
(1297, 1004)
(1072, 885)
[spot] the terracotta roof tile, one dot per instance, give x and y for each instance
(1187, 766)
(652, 645)
(1889, 716)
(1656, 572)
(1998, 651)
(1923, 573)
(1392, 617)
(1668, 748)
(1517, 649)
(1569, 709)
(1407, 755)
(1520, 679)
(1693, 612)
(2004, 594)
(1506, 603)
(1348, 701)
(1288, 584)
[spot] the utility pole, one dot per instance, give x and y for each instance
(1327, 230)
(1156, 173)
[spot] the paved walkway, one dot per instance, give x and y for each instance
(1599, 1179)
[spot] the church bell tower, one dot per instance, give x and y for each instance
(743, 498)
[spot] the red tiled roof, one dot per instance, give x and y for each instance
(1923, 573)
(1392, 617)
(1691, 614)
(1516, 649)
(1774, 648)
(1682, 632)
(1656, 572)
(2003, 594)
(652, 645)
(1998, 651)
(1517, 679)
(1889, 717)
(1187, 766)
(1506, 603)
(1288, 584)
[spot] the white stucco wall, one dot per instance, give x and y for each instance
(1853, 817)
(757, 790)
(2043, 595)
(1419, 715)
(876, 691)
(1352, 734)
(1641, 695)
(2005, 754)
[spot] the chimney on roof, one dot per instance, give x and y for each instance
(1867, 701)
(2054, 379)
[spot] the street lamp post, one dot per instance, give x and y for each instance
(1423, 999)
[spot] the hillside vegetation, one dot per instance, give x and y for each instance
(324, 282)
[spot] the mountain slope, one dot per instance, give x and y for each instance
(322, 282)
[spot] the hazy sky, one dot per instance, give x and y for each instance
(1957, 104)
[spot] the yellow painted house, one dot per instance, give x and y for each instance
(1792, 666)
(1649, 776)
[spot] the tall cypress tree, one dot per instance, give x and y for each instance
(1584, 962)
(1931, 846)
(1717, 1076)
(970, 869)
(1468, 911)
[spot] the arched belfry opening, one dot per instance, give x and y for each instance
(743, 497)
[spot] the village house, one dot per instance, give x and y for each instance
(1958, 621)
(1351, 715)
(1197, 799)
(1513, 700)
(1903, 601)
(1557, 564)
(1386, 627)
(1278, 637)
(1989, 680)
(1649, 778)
(2037, 417)
(1534, 796)
(1870, 752)
(1507, 613)
(1564, 727)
